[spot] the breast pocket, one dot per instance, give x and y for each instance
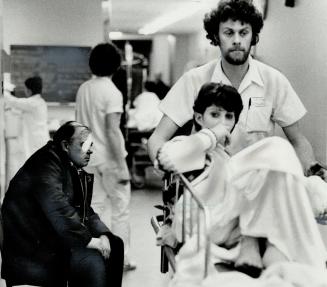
(258, 118)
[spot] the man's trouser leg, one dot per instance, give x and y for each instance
(100, 201)
(88, 268)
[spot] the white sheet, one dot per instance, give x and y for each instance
(266, 188)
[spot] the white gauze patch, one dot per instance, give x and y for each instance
(87, 144)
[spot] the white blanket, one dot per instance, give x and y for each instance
(190, 271)
(266, 188)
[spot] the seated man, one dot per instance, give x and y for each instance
(260, 190)
(51, 233)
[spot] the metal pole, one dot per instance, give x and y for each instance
(129, 69)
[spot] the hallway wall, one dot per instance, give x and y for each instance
(295, 41)
(60, 22)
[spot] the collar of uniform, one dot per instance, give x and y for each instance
(252, 75)
(219, 76)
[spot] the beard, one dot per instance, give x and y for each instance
(237, 60)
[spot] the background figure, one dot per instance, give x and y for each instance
(34, 110)
(15, 151)
(51, 233)
(146, 115)
(161, 89)
(99, 105)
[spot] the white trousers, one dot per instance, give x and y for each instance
(111, 201)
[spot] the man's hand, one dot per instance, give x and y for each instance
(106, 248)
(122, 174)
(101, 244)
(95, 243)
(166, 236)
(158, 169)
(323, 174)
(319, 170)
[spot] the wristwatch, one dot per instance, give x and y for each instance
(314, 169)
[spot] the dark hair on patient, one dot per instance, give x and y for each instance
(105, 59)
(34, 84)
(242, 10)
(66, 132)
(219, 95)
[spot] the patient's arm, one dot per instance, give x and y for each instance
(187, 153)
(163, 132)
(183, 154)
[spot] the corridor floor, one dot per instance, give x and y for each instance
(143, 248)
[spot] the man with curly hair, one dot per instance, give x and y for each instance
(268, 97)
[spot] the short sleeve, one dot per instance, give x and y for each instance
(288, 108)
(178, 103)
(114, 103)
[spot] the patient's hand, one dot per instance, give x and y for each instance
(182, 154)
(164, 161)
(222, 134)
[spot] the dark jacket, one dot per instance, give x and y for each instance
(46, 213)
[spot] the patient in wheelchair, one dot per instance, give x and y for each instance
(260, 192)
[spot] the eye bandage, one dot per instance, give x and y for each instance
(87, 144)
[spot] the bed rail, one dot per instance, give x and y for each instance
(195, 220)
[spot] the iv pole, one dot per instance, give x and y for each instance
(129, 66)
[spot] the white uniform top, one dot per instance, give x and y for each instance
(35, 131)
(95, 99)
(267, 96)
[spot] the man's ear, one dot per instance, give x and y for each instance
(198, 118)
(29, 92)
(64, 145)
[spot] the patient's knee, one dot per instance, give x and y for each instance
(280, 143)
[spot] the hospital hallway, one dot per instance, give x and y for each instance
(143, 249)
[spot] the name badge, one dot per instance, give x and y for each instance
(258, 101)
